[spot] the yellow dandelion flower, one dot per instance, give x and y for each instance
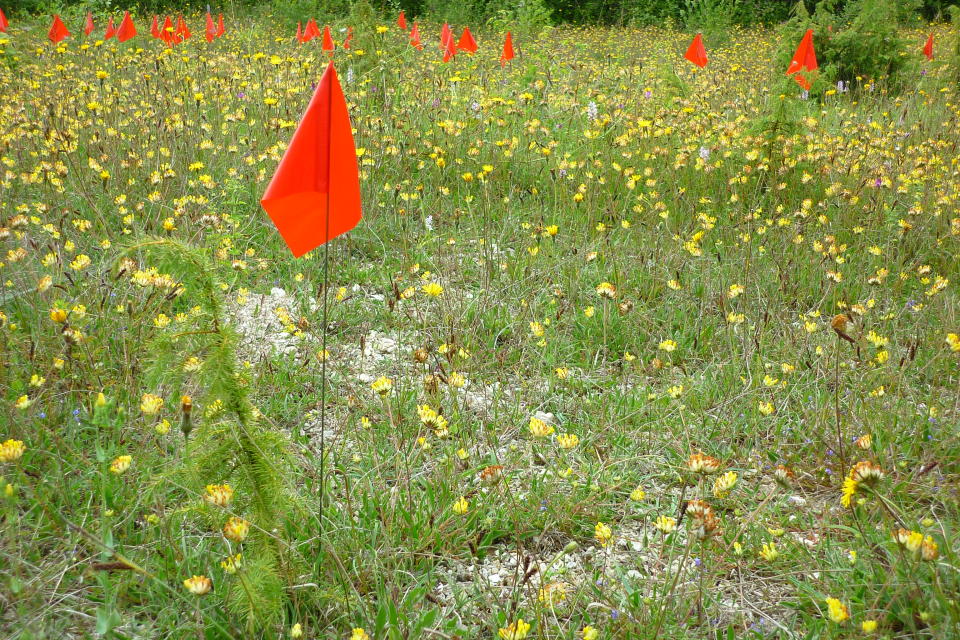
(837, 611)
(11, 450)
(198, 585)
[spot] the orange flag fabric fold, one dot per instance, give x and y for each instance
(327, 40)
(211, 29)
(507, 54)
(415, 36)
(804, 59)
(127, 29)
(58, 30)
(928, 48)
(467, 43)
(314, 195)
(696, 53)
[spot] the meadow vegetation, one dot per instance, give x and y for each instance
(621, 348)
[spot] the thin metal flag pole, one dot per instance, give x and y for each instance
(323, 340)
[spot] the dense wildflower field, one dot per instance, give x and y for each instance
(620, 349)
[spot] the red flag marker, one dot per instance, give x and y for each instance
(315, 194)
(327, 41)
(507, 54)
(127, 29)
(111, 30)
(220, 29)
(402, 20)
(299, 34)
(445, 34)
(346, 41)
(211, 31)
(928, 48)
(467, 43)
(182, 29)
(167, 33)
(88, 24)
(450, 50)
(415, 36)
(58, 30)
(696, 53)
(805, 58)
(155, 27)
(310, 31)
(3, 22)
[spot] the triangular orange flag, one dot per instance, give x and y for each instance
(402, 20)
(211, 31)
(3, 22)
(696, 53)
(299, 34)
(805, 57)
(346, 41)
(155, 27)
(327, 40)
(167, 33)
(928, 48)
(507, 50)
(467, 43)
(182, 29)
(315, 194)
(88, 24)
(310, 31)
(445, 34)
(127, 30)
(220, 29)
(58, 30)
(450, 50)
(415, 36)
(111, 30)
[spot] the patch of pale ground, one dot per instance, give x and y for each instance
(634, 562)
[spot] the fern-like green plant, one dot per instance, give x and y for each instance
(229, 443)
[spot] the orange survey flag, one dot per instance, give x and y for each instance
(805, 58)
(88, 24)
(182, 29)
(327, 40)
(315, 194)
(58, 30)
(928, 48)
(3, 22)
(167, 34)
(299, 34)
(696, 53)
(211, 31)
(311, 30)
(127, 30)
(445, 34)
(402, 20)
(415, 36)
(346, 41)
(467, 43)
(111, 30)
(507, 50)
(155, 27)
(450, 50)
(220, 29)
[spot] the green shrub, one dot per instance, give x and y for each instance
(859, 45)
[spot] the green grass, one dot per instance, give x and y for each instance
(682, 185)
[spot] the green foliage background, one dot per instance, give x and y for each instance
(637, 12)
